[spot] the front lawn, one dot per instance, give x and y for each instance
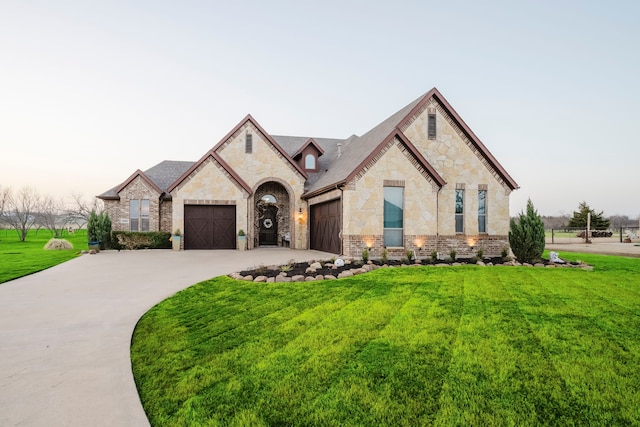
(19, 259)
(409, 346)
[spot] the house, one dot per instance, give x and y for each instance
(420, 180)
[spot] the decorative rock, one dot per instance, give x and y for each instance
(456, 264)
(93, 252)
(347, 262)
(248, 278)
(297, 278)
(549, 265)
(358, 271)
(260, 279)
(328, 265)
(587, 268)
(271, 279)
(329, 277)
(309, 279)
(538, 264)
(316, 266)
(346, 273)
(339, 262)
(310, 270)
(282, 279)
(481, 264)
(319, 277)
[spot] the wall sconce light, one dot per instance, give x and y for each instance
(300, 215)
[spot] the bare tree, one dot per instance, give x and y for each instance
(82, 208)
(52, 217)
(21, 210)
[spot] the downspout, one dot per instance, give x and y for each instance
(341, 188)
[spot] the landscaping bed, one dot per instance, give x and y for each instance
(334, 269)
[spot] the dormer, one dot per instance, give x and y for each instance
(307, 156)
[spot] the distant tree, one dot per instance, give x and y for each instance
(83, 208)
(579, 219)
(20, 210)
(619, 221)
(52, 217)
(555, 222)
(526, 235)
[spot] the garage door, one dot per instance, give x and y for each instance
(325, 227)
(209, 227)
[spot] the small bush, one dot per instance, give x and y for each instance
(452, 255)
(410, 255)
(385, 256)
(58, 244)
(505, 252)
(434, 256)
(140, 240)
(365, 255)
(480, 254)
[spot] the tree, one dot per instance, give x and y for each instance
(104, 227)
(526, 235)
(93, 227)
(51, 216)
(579, 219)
(20, 211)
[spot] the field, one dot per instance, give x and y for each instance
(18, 258)
(482, 346)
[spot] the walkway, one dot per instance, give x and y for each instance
(65, 332)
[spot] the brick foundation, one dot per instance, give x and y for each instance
(423, 245)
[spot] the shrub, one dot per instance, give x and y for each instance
(58, 244)
(505, 252)
(410, 254)
(452, 255)
(385, 256)
(526, 235)
(140, 240)
(480, 254)
(104, 230)
(93, 227)
(434, 256)
(365, 255)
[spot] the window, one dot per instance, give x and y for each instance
(482, 211)
(393, 216)
(310, 162)
(248, 143)
(139, 215)
(459, 211)
(431, 124)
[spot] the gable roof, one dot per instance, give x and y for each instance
(309, 142)
(359, 151)
(160, 177)
(266, 136)
(211, 153)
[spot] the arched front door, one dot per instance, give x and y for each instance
(269, 226)
(272, 215)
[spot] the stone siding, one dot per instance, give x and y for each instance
(266, 164)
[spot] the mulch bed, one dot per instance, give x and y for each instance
(330, 269)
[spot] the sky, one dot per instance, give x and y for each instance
(91, 91)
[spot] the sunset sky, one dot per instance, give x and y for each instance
(91, 91)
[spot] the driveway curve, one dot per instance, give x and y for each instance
(65, 332)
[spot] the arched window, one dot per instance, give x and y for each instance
(310, 162)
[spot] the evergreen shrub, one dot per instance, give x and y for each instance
(526, 235)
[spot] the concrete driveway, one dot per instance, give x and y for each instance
(65, 332)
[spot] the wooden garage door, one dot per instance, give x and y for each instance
(325, 227)
(209, 227)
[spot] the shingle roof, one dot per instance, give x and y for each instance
(162, 175)
(333, 168)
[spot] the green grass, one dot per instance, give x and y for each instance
(19, 259)
(497, 346)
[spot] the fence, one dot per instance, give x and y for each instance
(577, 235)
